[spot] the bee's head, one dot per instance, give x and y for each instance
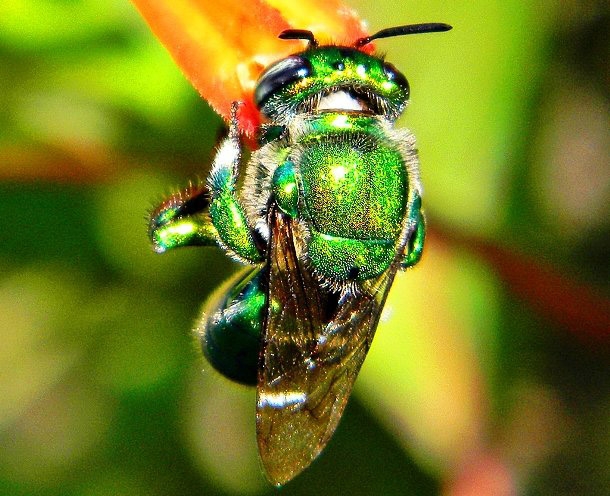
(331, 78)
(325, 78)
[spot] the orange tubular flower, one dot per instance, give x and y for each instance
(222, 49)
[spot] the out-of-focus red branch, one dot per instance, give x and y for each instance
(68, 164)
(572, 304)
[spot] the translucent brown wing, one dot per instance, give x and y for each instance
(314, 345)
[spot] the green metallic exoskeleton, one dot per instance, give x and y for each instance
(329, 211)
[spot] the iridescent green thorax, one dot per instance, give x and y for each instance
(354, 184)
(296, 84)
(347, 184)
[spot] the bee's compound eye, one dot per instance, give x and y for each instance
(395, 75)
(279, 75)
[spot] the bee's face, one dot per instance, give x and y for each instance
(331, 78)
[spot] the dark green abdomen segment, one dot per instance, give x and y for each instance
(354, 185)
(232, 329)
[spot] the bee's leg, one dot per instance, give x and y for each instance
(228, 216)
(231, 325)
(415, 245)
(183, 219)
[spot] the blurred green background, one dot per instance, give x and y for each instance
(494, 379)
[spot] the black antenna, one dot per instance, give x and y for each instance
(299, 34)
(431, 27)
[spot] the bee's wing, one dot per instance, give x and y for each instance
(313, 348)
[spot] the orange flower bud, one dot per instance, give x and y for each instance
(222, 49)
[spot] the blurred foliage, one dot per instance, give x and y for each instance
(481, 384)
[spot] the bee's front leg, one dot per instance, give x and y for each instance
(183, 220)
(228, 216)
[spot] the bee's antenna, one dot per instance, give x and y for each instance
(431, 27)
(299, 34)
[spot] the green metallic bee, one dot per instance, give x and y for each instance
(329, 211)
